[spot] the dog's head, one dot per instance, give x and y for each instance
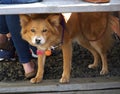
(41, 32)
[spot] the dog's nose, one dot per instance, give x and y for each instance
(38, 41)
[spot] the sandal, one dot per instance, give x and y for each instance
(30, 75)
(97, 1)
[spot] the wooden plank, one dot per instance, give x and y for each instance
(77, 84)
(58, 6)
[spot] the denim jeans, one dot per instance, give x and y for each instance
(18, 1)
(10, 23)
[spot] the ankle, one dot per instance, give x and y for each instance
(28, 67)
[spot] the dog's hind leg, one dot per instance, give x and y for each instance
(95, 54)
(103, 54)
(104, 64)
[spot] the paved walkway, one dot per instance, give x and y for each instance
(77, 85)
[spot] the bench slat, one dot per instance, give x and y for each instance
(58, 6)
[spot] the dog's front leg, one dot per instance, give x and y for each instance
(67, 57)
(41, 61)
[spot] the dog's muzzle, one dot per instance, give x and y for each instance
(38, 40)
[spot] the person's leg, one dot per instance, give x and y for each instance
(22, 47)
(3, 25)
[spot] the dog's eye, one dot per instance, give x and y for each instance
(32, 30)
(44, 30)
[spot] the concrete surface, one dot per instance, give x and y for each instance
(77, 84)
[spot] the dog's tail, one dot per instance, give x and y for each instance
(115, 25)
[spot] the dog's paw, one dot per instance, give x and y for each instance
(103, 72)
(92, 66)
(35, 80)
(64, 80)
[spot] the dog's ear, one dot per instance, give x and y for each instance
(55, 20)
(24, 19)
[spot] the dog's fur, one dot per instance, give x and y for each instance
(85, 28)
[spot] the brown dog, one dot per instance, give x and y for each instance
(91, 30)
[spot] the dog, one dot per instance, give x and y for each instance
(90, 30)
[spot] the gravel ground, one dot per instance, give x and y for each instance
(12, 71)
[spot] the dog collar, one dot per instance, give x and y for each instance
(41, 52)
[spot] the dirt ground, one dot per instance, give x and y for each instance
(13, 71)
